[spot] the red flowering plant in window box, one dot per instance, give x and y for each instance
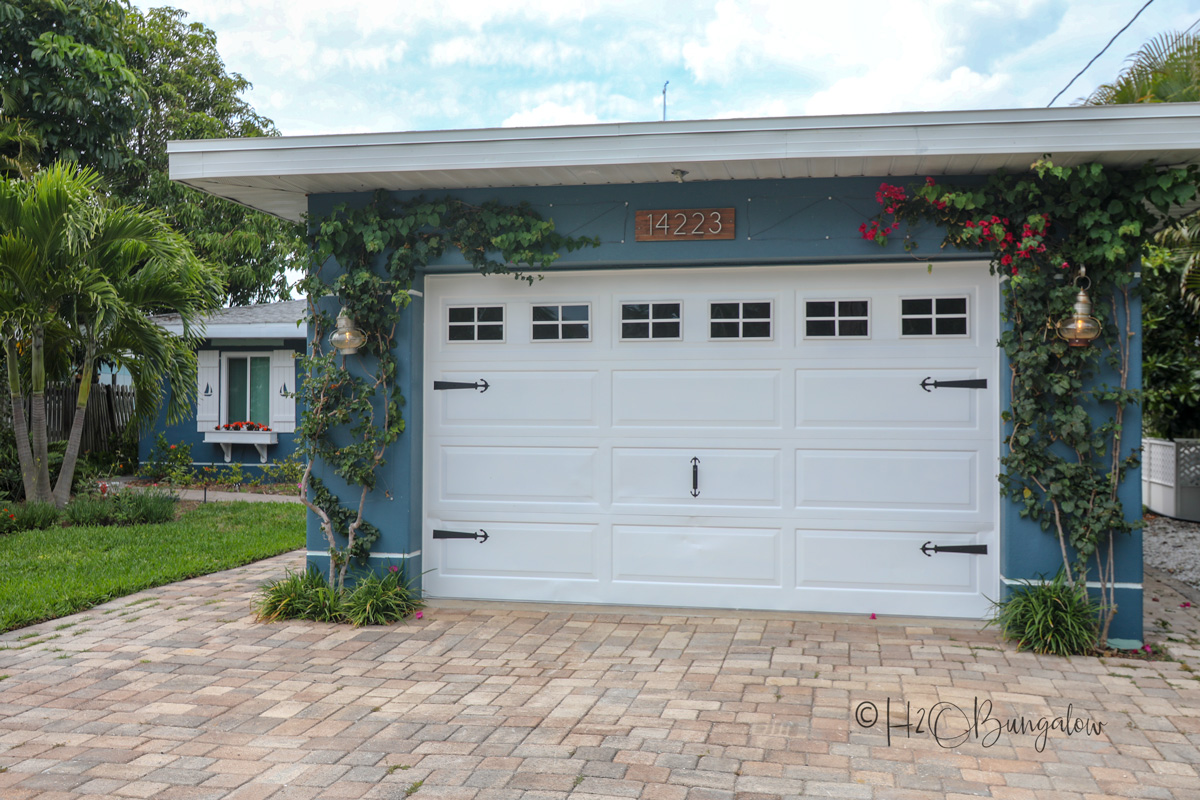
(242, 426)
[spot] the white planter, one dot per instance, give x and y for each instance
(1171, 477)
(227, 439)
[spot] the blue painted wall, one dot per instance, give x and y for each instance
(777, 221)
(205, 454)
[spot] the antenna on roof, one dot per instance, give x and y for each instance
(665, 101)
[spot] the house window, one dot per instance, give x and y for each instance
(248, 388)
(651, 321)
(837, 318)
(933, 316)
(551, 323)
(475, 324)
(730, 320)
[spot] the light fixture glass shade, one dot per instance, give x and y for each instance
(347, 338)
(1079, 329)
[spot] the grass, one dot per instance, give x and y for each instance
(60, 571)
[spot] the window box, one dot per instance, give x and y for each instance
(227, 439)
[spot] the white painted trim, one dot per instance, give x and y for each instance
(278, 174)
(317, 553)
(1043, 581)
(246, 330)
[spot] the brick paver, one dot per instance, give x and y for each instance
(177, 693)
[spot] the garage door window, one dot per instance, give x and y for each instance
(651, 320)
(837, 318)
(476, 324)
(552, 323)
(730, 320)
(933, 316)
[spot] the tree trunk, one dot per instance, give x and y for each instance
(20, 425)
(37, 422)
(66, 475)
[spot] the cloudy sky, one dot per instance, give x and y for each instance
(320, 66)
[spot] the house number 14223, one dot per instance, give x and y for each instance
(683, 224)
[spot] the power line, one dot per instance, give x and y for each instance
(1093, 61)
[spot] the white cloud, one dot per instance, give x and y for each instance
(551, 113)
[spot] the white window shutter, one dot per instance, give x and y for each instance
(208, 389)
(283, 380)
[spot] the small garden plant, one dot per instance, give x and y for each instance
(374, 600)
(1054, 617)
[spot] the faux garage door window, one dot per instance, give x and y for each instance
(651, 320)
(729, 320)
(476, 324)
(837, 318)
(552, 323)
(933, 316)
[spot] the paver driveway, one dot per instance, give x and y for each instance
(177, 693)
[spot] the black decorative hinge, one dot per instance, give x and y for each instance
(481, 536)
(975, 383)
(481, 385)
(929, 548)
(695, 477)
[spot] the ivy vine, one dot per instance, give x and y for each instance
(367, 258)
(1064, 458)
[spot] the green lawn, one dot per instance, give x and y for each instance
(52, 573)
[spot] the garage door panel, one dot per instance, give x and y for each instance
(499, 474)
(560, 551)
(881, 398)
(543, 398)
(709, 398)
(822, 465)
(688, 554)
(870, 559)
(667, 477)
(887, 479)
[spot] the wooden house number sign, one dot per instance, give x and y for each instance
(682, 224)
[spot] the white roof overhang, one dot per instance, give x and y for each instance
(277, 174)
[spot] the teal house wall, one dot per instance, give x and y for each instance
(800, 221)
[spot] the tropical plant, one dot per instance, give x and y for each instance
(1170, 356)
(1054, 617)
(75, 267)
(1165, 70)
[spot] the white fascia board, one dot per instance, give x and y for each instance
(276, 174)
(246, 330)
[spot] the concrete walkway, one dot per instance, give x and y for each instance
(177, 693)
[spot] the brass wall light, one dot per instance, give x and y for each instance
(1079, 329)
(347, 338)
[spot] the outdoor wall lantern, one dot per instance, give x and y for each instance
(347, 338)
(1079, 329)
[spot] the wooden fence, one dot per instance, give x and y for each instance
(108, 413)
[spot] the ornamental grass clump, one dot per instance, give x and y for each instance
(1052, 617)
(375, 600)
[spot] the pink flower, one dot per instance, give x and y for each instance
(1146, 647)
(393, 569)
(872, 616)
(419, 615)
(1185, 605)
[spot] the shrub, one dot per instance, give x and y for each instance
(289, 470)
(130, 507)
(166, 460)
(31, 517)
(374, 601)
(290, 597)
(1052, 617)
(380, 600)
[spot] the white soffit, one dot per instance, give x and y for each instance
(277, 174)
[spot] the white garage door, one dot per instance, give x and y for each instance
(733, 438)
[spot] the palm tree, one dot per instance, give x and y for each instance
(1165, 70)
(76, 266)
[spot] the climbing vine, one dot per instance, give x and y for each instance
(367, 259)
(1064, 459)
